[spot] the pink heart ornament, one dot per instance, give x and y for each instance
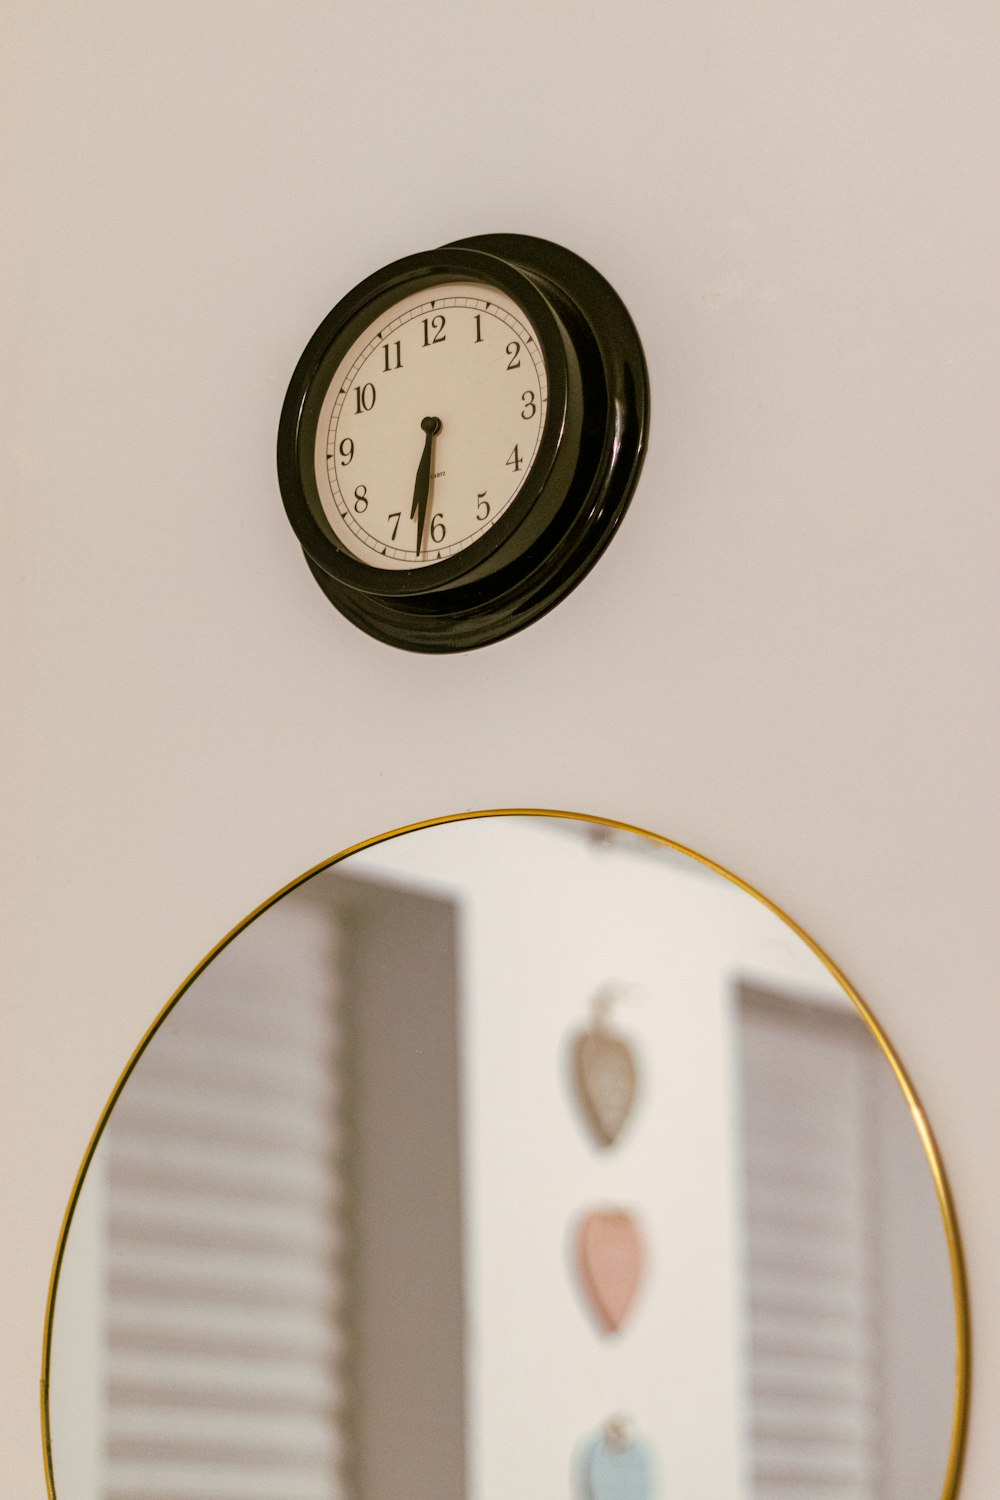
(610, 1256)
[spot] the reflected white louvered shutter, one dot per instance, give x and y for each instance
(222, 1333)
(812, 1360)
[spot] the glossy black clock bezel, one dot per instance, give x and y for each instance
(584, 472)
(311, 382)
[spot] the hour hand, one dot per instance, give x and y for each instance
(422, 485)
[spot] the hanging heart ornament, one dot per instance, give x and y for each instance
(612, 1469)
(610, 1256)
(606, 1078)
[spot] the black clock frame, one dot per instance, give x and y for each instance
(583, 474)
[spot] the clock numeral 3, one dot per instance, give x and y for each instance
(529, 405)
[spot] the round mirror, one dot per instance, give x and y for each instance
(515, 1155)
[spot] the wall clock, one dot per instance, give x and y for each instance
(461, 438)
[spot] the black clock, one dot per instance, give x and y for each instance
(461, 438)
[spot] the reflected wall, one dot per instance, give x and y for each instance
(355, 1226)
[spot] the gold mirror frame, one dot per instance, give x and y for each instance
(944, 1197)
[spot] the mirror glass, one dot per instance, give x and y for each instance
(517, 1156)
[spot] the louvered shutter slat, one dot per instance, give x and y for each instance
(224, 1225)
(812, 1341)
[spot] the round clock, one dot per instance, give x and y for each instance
(460, 439)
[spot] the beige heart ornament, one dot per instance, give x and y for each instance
(611, 1257)
(607, 1079)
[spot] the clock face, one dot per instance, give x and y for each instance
(460, 439)
(430, 425)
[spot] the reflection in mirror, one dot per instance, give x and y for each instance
(513, 1156)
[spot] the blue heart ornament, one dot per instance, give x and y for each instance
(616, 1473)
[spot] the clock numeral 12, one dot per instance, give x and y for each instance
(437, 324)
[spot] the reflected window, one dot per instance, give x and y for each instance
(837, 1320)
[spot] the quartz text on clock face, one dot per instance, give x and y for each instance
(430, 425)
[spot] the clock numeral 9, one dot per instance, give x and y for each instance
(437, 527)
(346, 451)
(437, 324)
(483, 507)
(529, 405)
(514, 350)
(361, 499)
(364, 398)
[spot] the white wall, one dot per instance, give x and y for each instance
(787, 656)
(545, 920)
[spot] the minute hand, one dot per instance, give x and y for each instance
(422, 484)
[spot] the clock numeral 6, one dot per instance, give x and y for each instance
(437, 527)
(483, 507)
(360, 499)
(528, 411)
(364, 398)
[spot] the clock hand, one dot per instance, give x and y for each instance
(422, 484)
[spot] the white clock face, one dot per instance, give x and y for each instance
(430, 425)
